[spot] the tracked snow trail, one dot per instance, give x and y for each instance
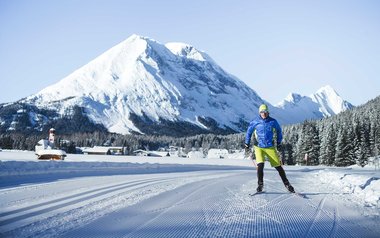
(184, 204)
(45, 210)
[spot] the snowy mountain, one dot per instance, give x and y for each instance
(324, 103)
(141, 81)
(143, 86)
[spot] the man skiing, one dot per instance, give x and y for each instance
(265, 127)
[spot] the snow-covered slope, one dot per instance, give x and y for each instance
(143, 86)
(128, 196)
(324, 103)
(142, 78)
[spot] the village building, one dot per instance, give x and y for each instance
(149, 153)
(104, 150)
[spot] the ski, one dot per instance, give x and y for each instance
(299, 194)
(295, 193)
(256, 193)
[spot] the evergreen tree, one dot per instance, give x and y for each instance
(307, 148)
(328, 144)
(342, 155)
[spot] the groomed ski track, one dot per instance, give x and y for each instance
(213, 203)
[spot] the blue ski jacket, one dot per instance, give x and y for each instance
(264, 130)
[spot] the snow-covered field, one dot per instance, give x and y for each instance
(125, 196)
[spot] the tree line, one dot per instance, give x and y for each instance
(341, 140)
(348, 138)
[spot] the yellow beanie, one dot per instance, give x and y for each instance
(263, 107)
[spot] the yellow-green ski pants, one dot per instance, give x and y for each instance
(270, 153)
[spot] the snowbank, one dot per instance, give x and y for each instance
(364, 183)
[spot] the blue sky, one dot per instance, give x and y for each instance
(276, 47)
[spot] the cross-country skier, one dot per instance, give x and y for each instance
(264, 128)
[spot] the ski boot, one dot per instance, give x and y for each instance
(289, 188)
(259, 188)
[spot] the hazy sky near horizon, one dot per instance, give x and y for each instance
(275, 47)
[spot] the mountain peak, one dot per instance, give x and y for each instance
(187, 51)
(293, 97)
(330, 101)
(137, 38)
(325, 102)
(143, 81)
(327, 90)
(143, 86)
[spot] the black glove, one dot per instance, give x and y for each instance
(246, 149)
(279, 147)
